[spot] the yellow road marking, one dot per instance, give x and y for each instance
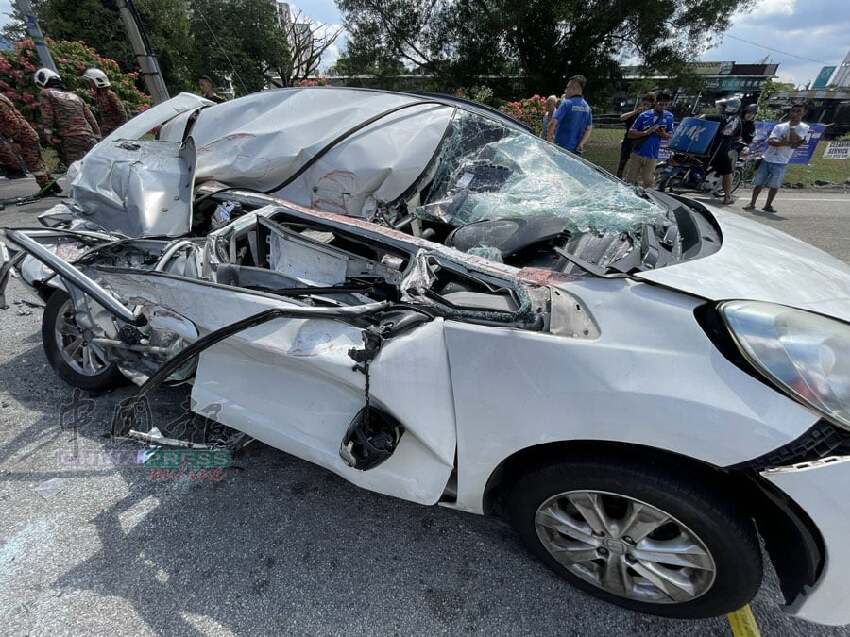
(743, 623)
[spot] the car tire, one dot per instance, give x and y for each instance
(702, 518)
(92, 373)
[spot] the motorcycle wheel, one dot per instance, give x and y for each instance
(737, 179)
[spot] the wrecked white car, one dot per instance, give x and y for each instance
(419, 295)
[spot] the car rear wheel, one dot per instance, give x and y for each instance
(651, 539)
(69, 350)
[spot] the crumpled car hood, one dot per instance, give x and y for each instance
(759, 263)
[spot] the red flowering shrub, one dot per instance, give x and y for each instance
(529, 111)
(72, 59)
(314, 81)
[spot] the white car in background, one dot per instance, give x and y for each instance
(421, 296)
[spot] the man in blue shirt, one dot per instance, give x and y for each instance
(571, 125)
(646, 134)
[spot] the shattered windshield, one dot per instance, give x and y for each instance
(486, 171)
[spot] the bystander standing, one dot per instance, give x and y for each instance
(572, 123)
(646, 134)
(205, 86)
(723, 153)
(748, 125)
(646, 104)
(551, 107)
(783, 139)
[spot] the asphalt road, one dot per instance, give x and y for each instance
(277, 545)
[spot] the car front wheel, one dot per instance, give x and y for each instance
(649, 538)
(69, 349)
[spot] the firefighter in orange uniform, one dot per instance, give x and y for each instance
(20, 147)
(68, 123)
(108, 107)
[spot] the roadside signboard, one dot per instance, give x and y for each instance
(837, 150)
(802, 154)
(823, 77)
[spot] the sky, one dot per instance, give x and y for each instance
(805, 35)
(801, 35)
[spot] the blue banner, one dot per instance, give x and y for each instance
(693, 136)
(802, 154)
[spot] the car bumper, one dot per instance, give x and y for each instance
(821, 488)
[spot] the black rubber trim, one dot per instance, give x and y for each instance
(793, 541)
(709, 319)
(822, 440)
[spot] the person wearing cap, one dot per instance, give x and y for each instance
(109, 109)
(205, 85)
(68, 122)
(783, 139)
(572, 123)
(20, 146)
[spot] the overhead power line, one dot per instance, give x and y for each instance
(768, 48)
(221, 50)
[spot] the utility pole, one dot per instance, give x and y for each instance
(34, 31)
(141, 47)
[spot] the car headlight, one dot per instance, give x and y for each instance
(805, 354)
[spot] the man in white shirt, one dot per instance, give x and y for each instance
(784, 138)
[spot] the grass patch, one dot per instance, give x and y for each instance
(603, 147)
(834, 170)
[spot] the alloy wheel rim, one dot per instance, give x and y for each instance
(626, 547)
(74, 347)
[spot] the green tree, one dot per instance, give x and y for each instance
(363, 57)
(237, 40)
(768, 90)
(544, 40)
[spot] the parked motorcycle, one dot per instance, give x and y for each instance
(685, 172)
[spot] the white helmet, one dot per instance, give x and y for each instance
(98, 77)
(44, 75)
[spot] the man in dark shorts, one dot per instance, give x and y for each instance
(646, 104)
(723, 157)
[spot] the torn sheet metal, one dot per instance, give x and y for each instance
(374, 166)
(155, 117)
(260, 140)
(301, 368)
(138, 188)
(254, 380)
